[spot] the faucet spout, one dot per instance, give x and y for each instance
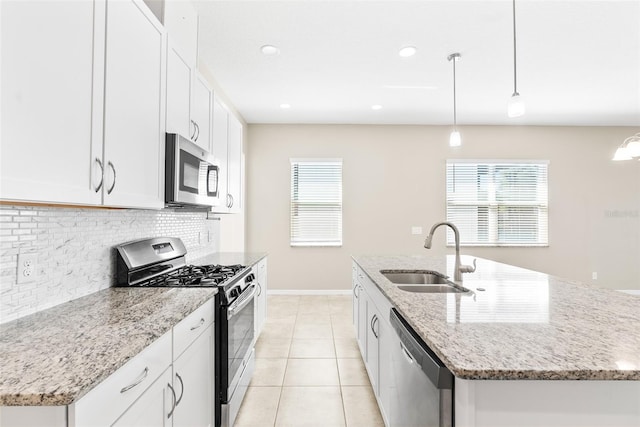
(458, 268)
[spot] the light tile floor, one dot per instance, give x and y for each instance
(308, 368)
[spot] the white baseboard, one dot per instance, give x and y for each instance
(309, 292)
(630, 291)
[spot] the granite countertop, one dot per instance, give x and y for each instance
(524, 325)
(55, 356)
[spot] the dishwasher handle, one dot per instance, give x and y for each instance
(433, 368)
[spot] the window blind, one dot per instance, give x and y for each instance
(316, 202)
(498, 203)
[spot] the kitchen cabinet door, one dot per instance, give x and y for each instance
(234, 164)
(261, 296)
(134, 107)
(372, 344)
(47, 135)
(219, 151)
(152, 409)
(201, 112)
(181, 23)
(354, 296)
(193, 382)
(178, 92)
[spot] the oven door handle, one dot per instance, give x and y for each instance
(244, 299)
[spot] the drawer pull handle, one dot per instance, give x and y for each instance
(193, 328)
(173, 405)
(136, 382)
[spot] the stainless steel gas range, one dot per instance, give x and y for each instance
(161, 262)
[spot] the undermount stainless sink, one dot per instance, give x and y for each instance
(422, 281)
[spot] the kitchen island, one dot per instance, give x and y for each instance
(525, 348)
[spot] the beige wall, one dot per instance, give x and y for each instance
(394, 178)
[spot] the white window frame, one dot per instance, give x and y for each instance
(332, 198)
(492, 205)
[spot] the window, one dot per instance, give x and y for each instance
(498, 203)
(316, 202)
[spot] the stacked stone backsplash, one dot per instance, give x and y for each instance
(74, 248)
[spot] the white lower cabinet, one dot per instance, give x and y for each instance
(153, 408)
(125, 387)
(371, 322)
(193, 382)
(261, 296)
(170, 383)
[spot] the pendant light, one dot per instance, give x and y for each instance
(454, 139)
(629, 149)
(515, 106)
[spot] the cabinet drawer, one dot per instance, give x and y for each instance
(105, 403)
(185, 332)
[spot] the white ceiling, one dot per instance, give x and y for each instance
(578, 60)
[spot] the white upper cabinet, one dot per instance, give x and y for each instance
(227, 148)
(181, 23)
(234, 164)
(46, 112)
(90, 129)
(178, 92)
(201, 112)
(134, 106)
(219, 151)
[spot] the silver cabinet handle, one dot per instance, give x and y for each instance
(373, 326)
(193, 328)
(259, 289)
(137, 381)
(355, 294)
(113, 168)
(374, 319)
(99, 162)
(193, 134)
(173, 406)
(181, 389)
(232, 200)
(228, 200)
(197, 130)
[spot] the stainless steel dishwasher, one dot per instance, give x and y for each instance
(421, 394)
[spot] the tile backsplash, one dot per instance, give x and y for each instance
(74, 249)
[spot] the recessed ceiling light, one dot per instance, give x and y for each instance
(408, 51)
(285, 106)
(269, 50)
(376, 107)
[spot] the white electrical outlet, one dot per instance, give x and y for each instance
(27, 267)
(416, 230)
(594, 275)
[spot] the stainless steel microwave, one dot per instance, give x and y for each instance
(191, 174)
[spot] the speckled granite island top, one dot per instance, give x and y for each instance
(524, 325)
(56, 356)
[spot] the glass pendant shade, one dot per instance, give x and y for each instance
(515, 106)
(621, 154)
(633, 148)
(455, 140)
(629, 149)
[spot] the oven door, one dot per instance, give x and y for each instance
(241, 335)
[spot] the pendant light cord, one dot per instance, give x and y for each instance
(455, 122)
(515, 76)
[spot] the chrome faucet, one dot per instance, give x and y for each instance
(458, 268)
